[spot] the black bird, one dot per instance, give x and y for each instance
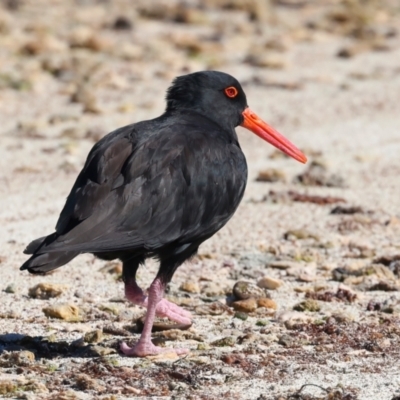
(159, 188)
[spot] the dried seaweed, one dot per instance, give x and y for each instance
(340, 295)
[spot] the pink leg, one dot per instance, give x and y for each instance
(144, 347)
(164, 308)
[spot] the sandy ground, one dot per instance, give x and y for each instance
(344, 113)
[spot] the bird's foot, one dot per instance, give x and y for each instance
(144, 348)
(167, 309)
(164, 309)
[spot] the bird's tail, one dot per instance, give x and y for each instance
(42, 262)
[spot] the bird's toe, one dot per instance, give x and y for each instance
(173, 312)
(144, 349)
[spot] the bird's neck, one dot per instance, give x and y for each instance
(210, 122)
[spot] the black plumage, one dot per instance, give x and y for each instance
(157, 188)
(147, 192)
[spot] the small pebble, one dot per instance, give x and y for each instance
(94, 336)
(271, 175)
(215, 308)
(212, 289)
(46, 290)
(306, 277)
(267, 60)
(173, 334)
(228, 341)
(203, 346)
(122, 23)
(307, 305)
(110, 308)
(286, 340)
(266, 303)
(248, 338)
(284, 264)
(244, 290)
(11, 288)
(248, 305)
(22, 358)
(385, 286)
(67, 312)
(292, 319)
(299, 234)
(230, 359)
(102, 351)
(115, 331)
(190, 287)
(317, 175)
(269, 283)
(112, 267)
(241, 315)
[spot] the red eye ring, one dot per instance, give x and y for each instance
(231, 91)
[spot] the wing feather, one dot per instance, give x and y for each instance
(177, 187)
(101, 172)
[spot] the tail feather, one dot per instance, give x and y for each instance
(41, 263)
(37, 244)
(45, 262)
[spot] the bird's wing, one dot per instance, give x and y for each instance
(177, 187)
(100, 175)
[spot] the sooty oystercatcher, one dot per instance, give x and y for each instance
(159, 188)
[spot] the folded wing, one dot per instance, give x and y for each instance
(150, 193)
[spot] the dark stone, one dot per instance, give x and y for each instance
(122, 24)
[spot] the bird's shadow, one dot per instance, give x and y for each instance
(47, 348)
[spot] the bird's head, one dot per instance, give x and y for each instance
(220, 97)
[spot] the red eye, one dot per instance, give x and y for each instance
(231, 91)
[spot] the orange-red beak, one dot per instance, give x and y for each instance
(255, 124)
